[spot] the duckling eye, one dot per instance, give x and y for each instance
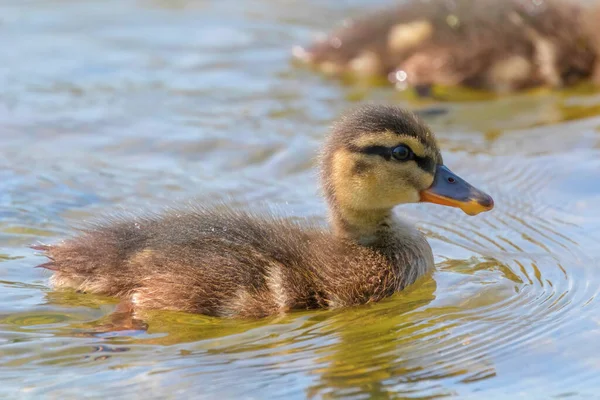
(402, 153)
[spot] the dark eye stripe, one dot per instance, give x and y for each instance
(385, 152)
(425, 163)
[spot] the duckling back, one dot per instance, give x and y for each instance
(221, 262)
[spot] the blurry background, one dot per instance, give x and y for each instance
(122, 104)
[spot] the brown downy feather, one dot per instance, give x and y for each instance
(489, 44)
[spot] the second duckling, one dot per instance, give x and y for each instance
(502, 46)
(233, 263)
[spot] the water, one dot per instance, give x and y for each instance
(109, 105)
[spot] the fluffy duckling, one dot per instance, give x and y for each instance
(233, 263)
(501, 46)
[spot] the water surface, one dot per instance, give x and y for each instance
(110, 105)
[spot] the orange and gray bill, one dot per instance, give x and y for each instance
(449, 189)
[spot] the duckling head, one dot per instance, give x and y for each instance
(379, 156)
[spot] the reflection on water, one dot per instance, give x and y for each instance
(137, 104)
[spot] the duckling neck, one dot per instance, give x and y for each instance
(399, 241)
(366, 227)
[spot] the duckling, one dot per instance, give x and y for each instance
(502, 46)
(227, 262)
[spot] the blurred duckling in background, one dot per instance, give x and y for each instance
(502, 46)
(234, 263)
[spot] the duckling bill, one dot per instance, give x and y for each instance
(450, 190)
(234, 263)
